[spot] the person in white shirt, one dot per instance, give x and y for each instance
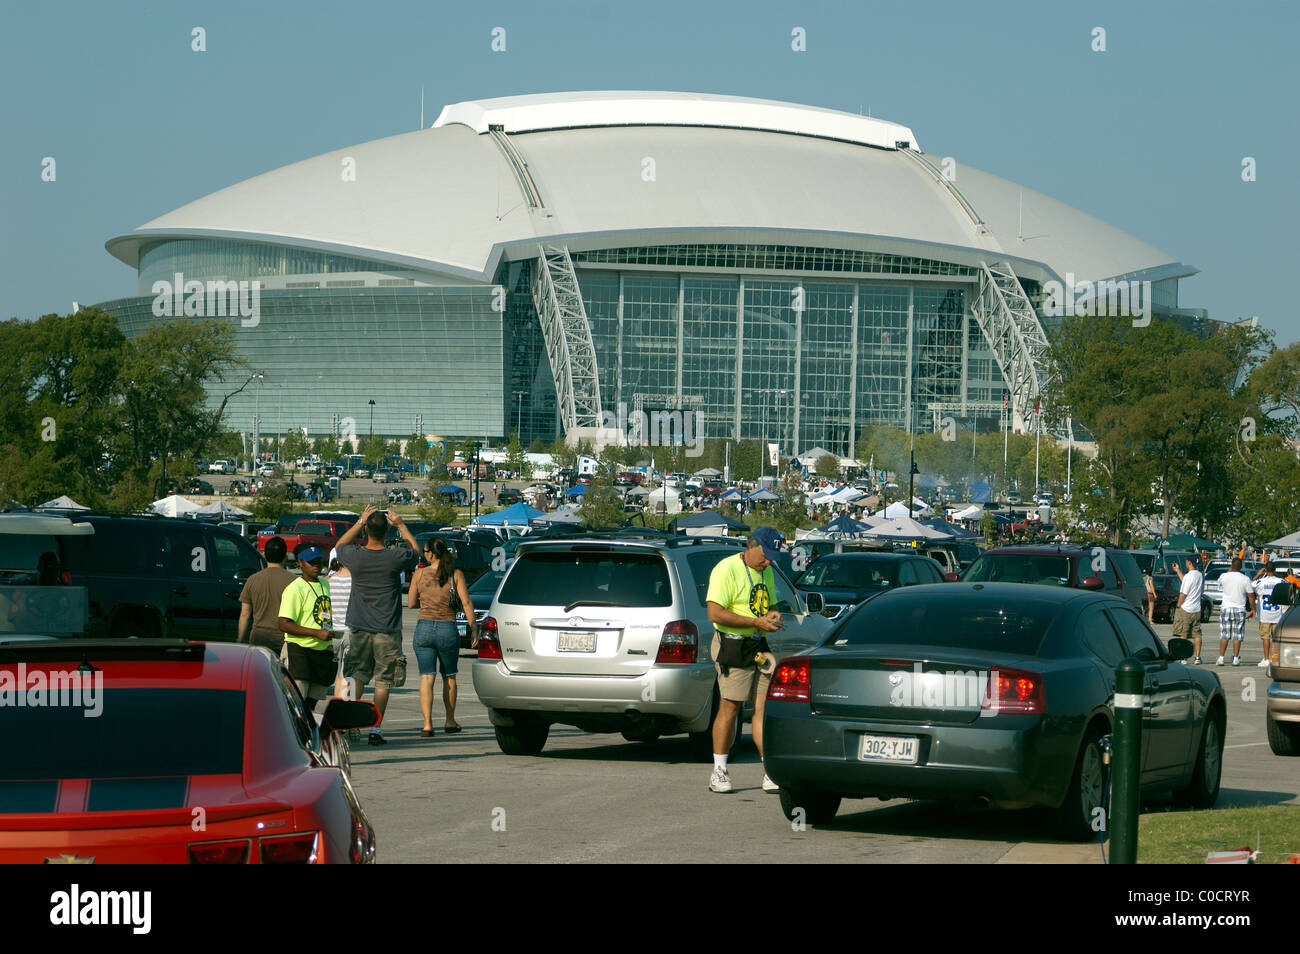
(1270, 614)
(340, 581)
(1187, 615)
(1238, 605)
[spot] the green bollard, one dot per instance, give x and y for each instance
(1126, 761)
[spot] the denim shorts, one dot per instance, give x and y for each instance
(437, 646)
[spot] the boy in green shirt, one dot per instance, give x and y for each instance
(307, 623)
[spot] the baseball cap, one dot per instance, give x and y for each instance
(311, 555)
(770, 539)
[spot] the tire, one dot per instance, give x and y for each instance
(1073, 819)
(1203, 791)
(523, 738)
(131, 624)
(642, 736)
(818, 808)
(1283, 737)
(1206, 612)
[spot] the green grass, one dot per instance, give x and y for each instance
(1187, 837)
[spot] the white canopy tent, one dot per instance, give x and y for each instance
(61, 503)
(1290, 542)
(175, 506)
(907, 529)
(970, 513)
(664, 500)
(224, 510)
(896, 510)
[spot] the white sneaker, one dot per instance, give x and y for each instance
(720, 781)
(1263, 663)
(769, 785)
(1236, 660)
(1220, 662)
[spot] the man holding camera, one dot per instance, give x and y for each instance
(739, 596)
(375, 606)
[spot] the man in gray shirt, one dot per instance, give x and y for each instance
(375, 607)
(259, 614)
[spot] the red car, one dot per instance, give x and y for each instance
(167, 751)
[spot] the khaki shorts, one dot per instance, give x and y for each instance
(377, 655)
(1266, 630)
(738, 684)
(1187, 625)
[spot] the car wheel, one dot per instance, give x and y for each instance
(131, 625)
(1074, 817)
(641, 735)
(701, 743)
(1203, 791)
(1283, 737)
(1205, 612)
(523, 738)
(818, 808)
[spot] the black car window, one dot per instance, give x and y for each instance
(234, 555)
(929, 571)
(603, 574)
(128, 547)
(907, 573)
(1047, 568)
(302, 724)
(963, 621)
(701, 564)
(851, 574)
(1099, 637)
(1138, 639)
(786, 602)
(187, 554)
(1101, 564)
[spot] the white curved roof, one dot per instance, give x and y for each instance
(447, 199)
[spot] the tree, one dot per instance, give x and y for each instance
(292, 448)
(516, 461)
(827, 466)
(438, 509)
(601, 506)
(538, 446)
(564, 456)
(372, 449)
(417, 449)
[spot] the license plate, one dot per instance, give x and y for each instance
(576, 643)
(887, 748)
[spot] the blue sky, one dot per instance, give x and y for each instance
(1148, 136)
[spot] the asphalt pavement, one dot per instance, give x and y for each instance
(598, 798)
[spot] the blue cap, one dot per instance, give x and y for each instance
(311, 555)
(770, 539)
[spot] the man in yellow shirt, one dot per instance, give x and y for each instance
(740, 594)
(307, 621)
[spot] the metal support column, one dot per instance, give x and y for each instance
(911, 315)
(740, 354)
(853, 376)
(796, 399)
(618, 380)
(681, 335)
(965, 359)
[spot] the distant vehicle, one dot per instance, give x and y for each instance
(1110, 571)
(1013, 498)
(1282, 715)
(361, 472)
(846, 579)
(221, 467)
(384, 477)
(196, 486)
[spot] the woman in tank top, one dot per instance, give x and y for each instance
(436, 641)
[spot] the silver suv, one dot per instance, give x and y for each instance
(612, 634)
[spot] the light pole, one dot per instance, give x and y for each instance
(260, 376)
(519, 412)
(911, 476)
(372, 417)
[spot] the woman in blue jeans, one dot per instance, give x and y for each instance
(436, 641)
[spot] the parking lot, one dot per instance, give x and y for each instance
(598, 798)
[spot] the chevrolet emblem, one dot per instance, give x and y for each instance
(69, 860)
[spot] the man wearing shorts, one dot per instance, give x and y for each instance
(1270, 614)
(375, 607)
(740, 592)
(1238, 606)
(1187, 615)
(307, 621)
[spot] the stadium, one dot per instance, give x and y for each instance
(545, 263)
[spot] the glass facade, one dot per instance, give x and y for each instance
(806, 357)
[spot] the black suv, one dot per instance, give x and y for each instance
(846, 579)
(157, 576)
(1104, 569)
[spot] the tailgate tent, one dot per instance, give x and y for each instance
(705, 522)
(981, 492)
(516, 515)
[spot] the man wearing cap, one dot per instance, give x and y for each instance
(307, 621)
(259, 612)
(739, 596)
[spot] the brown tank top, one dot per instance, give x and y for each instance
(435, 600)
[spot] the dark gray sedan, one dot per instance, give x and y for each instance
(995, 693)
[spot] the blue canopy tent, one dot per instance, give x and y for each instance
(516, 515)
(706, 518)
(960, 533)
(844, 524)
(577, 491)
(981, 492)
(733, 494)
(450, 490)
(763, 495)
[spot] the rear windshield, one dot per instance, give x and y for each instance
(559, 578)
(1011, 626)
(852, 574)
(19, 553)
(1045, 569)
(137, 733)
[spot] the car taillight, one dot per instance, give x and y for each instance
(1015, 691)
(792, 680)
(220, 852)
(679, 643)
(363, 843)
(489, 646)
(299, 849)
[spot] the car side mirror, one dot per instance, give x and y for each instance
(347, 714)
(1283, 594)
(1091, 583)
(1180, 648)
(816, 603)
(950, 577)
